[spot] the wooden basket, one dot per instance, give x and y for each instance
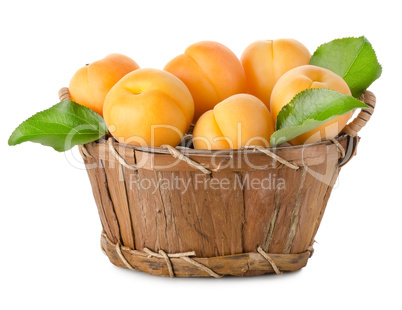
(194, 213)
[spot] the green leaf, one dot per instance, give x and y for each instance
(62, 126)
(353, 59)
(310, 109)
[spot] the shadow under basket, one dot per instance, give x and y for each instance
(194, 213)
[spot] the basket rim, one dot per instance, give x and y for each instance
(239, 151)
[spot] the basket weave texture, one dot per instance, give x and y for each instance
(166, 212)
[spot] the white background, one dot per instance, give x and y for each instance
(50, 255)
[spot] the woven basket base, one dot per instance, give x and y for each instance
(187, 265)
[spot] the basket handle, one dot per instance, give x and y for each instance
(363, 117)
(64, 94)
(353, 128)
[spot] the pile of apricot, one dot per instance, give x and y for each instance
(232, 102)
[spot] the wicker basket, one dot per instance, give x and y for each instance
(194, 213)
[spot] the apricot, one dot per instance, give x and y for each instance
(240, 120)
(148, 107)
(212, 73)
(305, 77)
(265, 61)
(90, 84)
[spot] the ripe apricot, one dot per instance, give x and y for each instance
(212, 73)
(149, 107)
(240, 120)
(265, 61)
(90, 84)
(305, 77)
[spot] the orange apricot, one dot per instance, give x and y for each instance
(265, 61)
(90, 84)
(240, 120)
(305, 77)
(149, 107)
(212, 73)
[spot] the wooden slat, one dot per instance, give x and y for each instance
(100, 190)
(316, 188)
(259, 206)
(118, 194)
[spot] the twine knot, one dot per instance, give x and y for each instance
(177, 154)
(272, 155)
(184, 256)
